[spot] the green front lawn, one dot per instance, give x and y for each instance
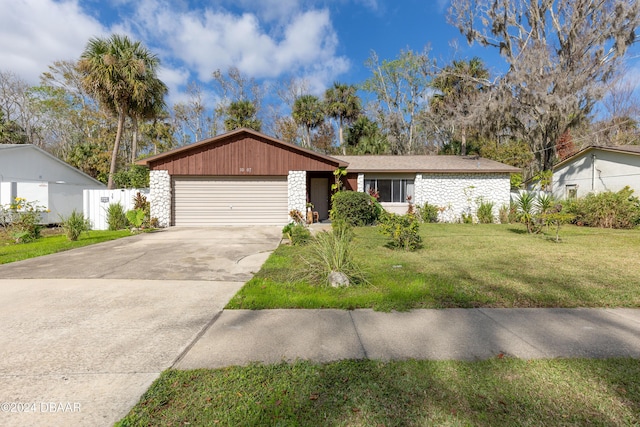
(464, 265)
(53, 241)
(406, 393)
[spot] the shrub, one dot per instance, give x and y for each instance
(403, 230)
(428, 213)
(545, 202)
(297, 234)
(136, 217)
(116, 217)
(485, 212)
(356, 208)
(526, 210)
(74, 225)
(607, 209)
(331, 252)
(23, 220)
(134, 177)
(503, 214)
(466, 218)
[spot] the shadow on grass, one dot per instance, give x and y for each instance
(494, 392)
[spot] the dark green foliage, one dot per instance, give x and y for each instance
(606, 210)
(116, 217)
(485, 212)
(297, 234)
(427, 212)
(74, 225)
(355, 208)
(134, 177)
(403, 230)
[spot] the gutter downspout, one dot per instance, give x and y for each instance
(593, 172)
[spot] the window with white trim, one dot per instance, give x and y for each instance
(571, 191)
(391, 190)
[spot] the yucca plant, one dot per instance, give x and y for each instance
(74, 225)
(116, 217)
(485, 212)
(526, 208)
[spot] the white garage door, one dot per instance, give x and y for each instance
(203, 201)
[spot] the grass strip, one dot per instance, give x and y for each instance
(11, 252)
(503, 391)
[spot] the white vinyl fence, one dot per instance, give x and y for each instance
(96, 204)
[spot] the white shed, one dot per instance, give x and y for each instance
(596, 169)
(31, 173)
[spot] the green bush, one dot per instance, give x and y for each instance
(136, 217)
(485, 212)
(297, 234)
(134, 177)
(403, 230)
(23, 220)
(116, 217)
(606, 210)
(428, 213)
(355, 208)
(74, 225)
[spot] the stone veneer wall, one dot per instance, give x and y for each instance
(160, 196)
(360, 182)
(456, 194)
(297, 191)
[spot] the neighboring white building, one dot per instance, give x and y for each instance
(31, 173)
(596, 169)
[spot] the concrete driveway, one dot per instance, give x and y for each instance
(85, 332)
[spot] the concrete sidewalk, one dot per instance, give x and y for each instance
(239, 337)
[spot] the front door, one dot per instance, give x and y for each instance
(319, 196)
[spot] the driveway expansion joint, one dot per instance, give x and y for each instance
(196, 339)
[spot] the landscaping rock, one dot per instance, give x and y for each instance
(338, 279)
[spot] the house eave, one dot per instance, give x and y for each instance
(211, 141)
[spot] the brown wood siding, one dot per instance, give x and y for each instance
(350, 181)
(240, 156)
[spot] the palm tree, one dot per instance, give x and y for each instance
(122, 75)
(242, 114)
(151, 108)
(459, 85)
(343, 105)
(308, 112)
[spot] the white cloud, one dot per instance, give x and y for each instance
(35, 33)
(206, 40)
(270, 39)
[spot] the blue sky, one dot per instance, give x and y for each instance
(320, 40)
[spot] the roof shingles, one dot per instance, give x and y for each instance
(441, 164)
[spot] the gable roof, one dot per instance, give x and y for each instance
(633, 150)
(440, 164)
(217, 140)
(6, 148)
